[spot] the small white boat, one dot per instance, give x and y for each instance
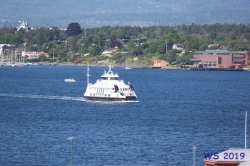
(126, 67)
(70, 80)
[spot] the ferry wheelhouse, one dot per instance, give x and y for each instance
(109, 88)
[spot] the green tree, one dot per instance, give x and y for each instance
(14, 39)
(203, 47)
(74, 28)
(130, 44)
(152, 47)
(185, 58)
(42, 58)
(138, 50)
(171, 56)
(61, 53)
(55, 33)
(212, 35)
(161, 48)
(100, 38)
(40, 37)
(93, 50)
(72, 43)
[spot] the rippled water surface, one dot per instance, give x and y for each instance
(176, 109)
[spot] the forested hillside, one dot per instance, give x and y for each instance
(141, 45)
(98, 13)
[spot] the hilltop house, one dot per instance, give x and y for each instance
(108, 51)
(178, 47)
(24, 25)
(213, 45)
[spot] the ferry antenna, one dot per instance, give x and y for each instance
(194, 149)
(88, 75)
(246, 130)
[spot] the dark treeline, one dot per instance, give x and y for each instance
(144, 43)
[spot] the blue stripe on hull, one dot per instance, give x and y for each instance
(129, 98)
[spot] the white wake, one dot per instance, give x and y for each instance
(62, 98)
(43, 97)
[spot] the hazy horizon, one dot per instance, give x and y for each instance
(99, 13)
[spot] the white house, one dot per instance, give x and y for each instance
(213, 45)
(178, 47)
(34, 54)
(108, 51)
(30, 55)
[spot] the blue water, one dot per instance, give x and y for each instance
(176, 110)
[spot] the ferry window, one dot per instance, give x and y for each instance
(90, 94)
(105, 95)
(93, 94)
(109, 95)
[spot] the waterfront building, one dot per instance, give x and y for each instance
(34, 54)
(220, 59)
(160, 64)
(231, 157)
(30, 55)
(43, 53)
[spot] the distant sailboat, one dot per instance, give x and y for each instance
(126, 67)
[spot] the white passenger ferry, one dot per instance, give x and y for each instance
(109, 88)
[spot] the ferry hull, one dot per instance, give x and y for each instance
(128, 98)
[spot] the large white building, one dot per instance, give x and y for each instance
(30, 55)
(34, 54)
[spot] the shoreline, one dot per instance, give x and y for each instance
(138, 67)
